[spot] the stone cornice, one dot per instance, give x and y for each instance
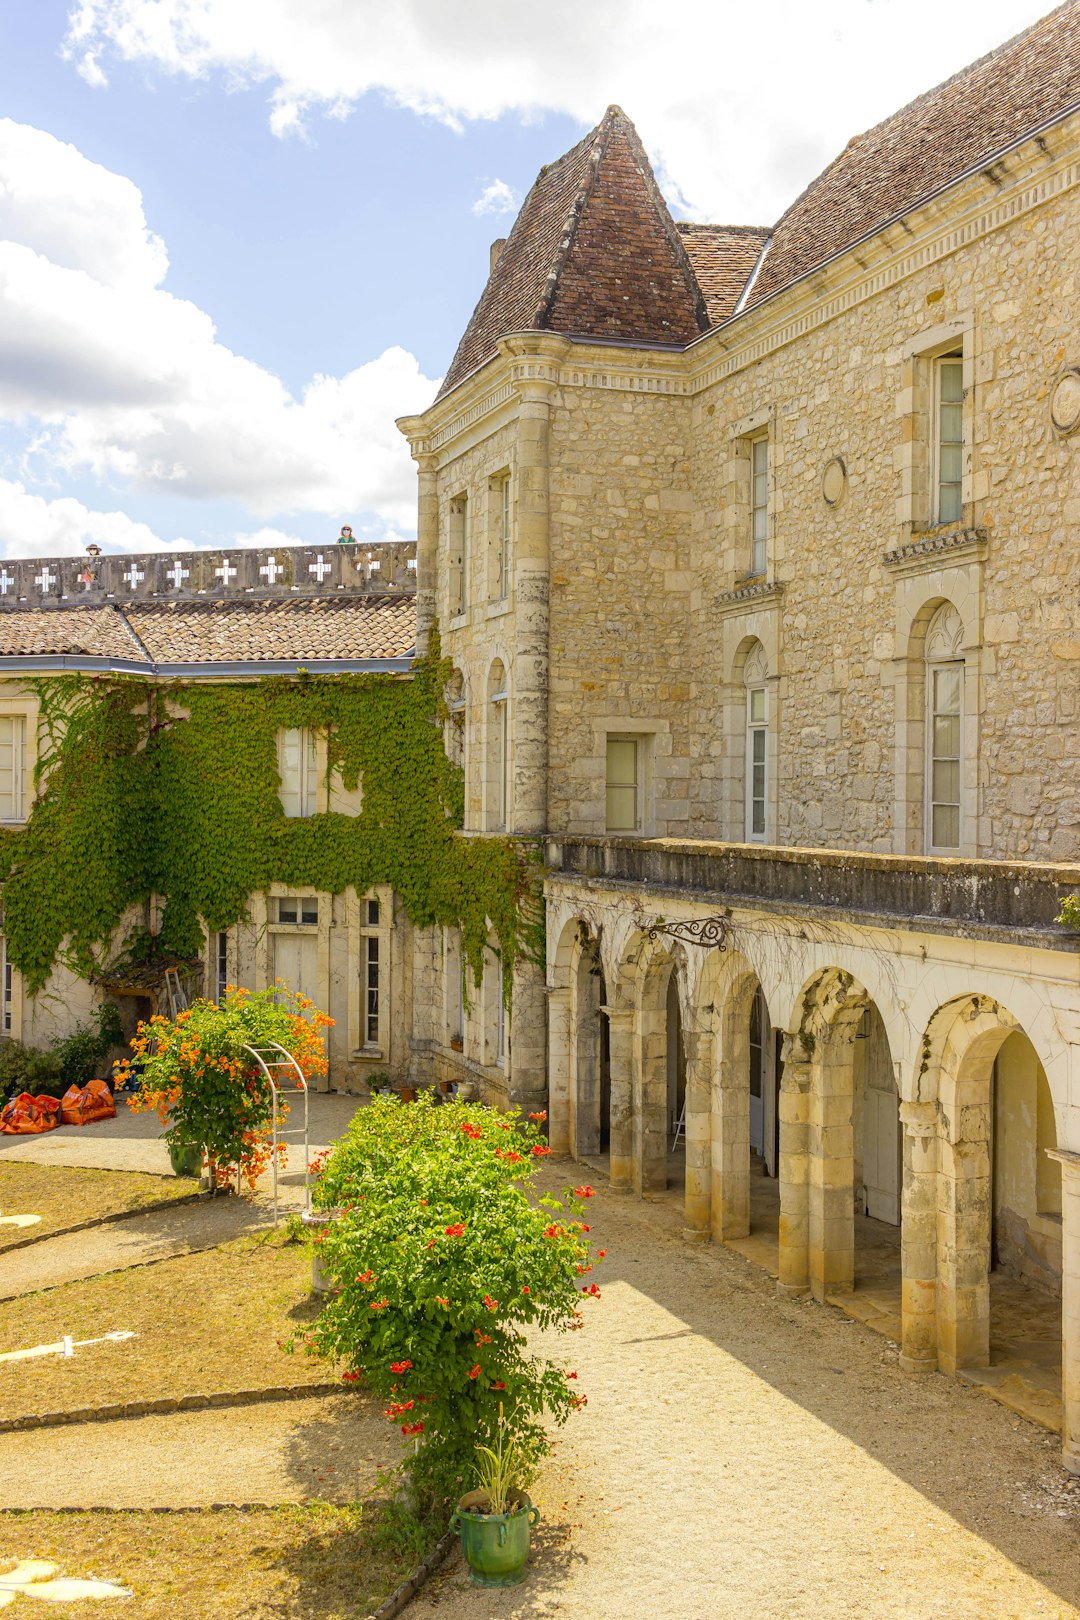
(939, 546)
(756, 593)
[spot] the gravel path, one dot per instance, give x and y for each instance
(202, 1224)
(743, 1456)
(282, 1451)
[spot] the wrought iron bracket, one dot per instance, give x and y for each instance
(710, 933)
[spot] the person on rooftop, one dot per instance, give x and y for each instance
(346, 537)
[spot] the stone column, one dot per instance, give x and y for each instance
(560, 1134)
(621, 1044)
(731, 1133)
(651, 1118)
(919, 1238)
(531, 569)
(963, 1291)
(1070, 1307)
(427, 545)
(831, 1152)
(528, 1082)
(698, 1134)
(794, 1108)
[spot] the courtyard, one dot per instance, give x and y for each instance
(739, 1452)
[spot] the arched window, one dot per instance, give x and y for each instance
(944, 731)
(756, 778)
(498, 750)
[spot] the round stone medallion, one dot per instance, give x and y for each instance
(833, 481)
(1065, 402)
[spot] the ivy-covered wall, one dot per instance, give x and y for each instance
(172, 790)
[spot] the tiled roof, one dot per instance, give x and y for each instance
(1025, 83)
(44, 633)
(208, 632)
(356, 630)
(593, 253)
(722, 257)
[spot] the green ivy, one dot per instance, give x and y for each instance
(172, 791)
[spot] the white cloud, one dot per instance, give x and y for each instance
(124, 380)
(740, 105)
(497, 198)
(33, 526)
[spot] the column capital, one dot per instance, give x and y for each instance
(920, 1118)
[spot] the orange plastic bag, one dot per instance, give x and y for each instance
(82, 1105)
(26, 1116)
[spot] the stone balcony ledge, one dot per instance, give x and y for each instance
(1011, 901)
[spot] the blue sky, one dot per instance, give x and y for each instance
(312, 172)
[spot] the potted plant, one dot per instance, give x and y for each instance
(495, 1521)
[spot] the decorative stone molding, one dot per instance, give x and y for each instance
(755, 593)
(956, 545)
(1065, 403)
(834, 481)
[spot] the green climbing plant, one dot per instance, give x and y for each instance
(172, 791)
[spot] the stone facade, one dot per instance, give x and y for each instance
(908, 601)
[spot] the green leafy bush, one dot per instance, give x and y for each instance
(81, 1054)
(1069, 916)
(443, 1256)
(28, 1068)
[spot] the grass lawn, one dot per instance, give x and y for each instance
(287, 1563)
(65, 1197)
(208, 1321)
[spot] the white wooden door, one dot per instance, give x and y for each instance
(296, 963)
(881, 1144)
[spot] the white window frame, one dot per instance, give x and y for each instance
(933, 668)
(938, 516)
(756, 730)
(638, 784)
(222, 976)
(458, 563)
(374, 950)
(7, 992)
(759, 543)
(307, 775)
(502, 530)
(499, 759)
(500, 1015)
(19, 729)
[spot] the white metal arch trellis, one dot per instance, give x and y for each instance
(290, 1083)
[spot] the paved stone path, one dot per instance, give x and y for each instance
(196, 1224)
(282, 1451)
(743, 1456)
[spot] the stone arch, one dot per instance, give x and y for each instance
(561, 948)
(817, 1135)
(661, 992)
(718, 1099)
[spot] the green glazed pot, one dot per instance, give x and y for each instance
(185, 1160)
(496, 1545)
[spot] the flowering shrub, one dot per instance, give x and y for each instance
(442, 1257)
(207, 1090)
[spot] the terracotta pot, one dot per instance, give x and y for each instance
(408, 1094)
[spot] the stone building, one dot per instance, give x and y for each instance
(236, 617)
(754, 550)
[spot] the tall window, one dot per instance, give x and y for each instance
(759, 504)
(372, 966)
(756, 755)
(498, 750)
(500, 573)
(454, 735)
(949, 438)
(298, 769)
(6, 990)
(500, 1018)
(624, 795)
(12, 768)
(944, 730)
(458, 561)
(221, 965)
